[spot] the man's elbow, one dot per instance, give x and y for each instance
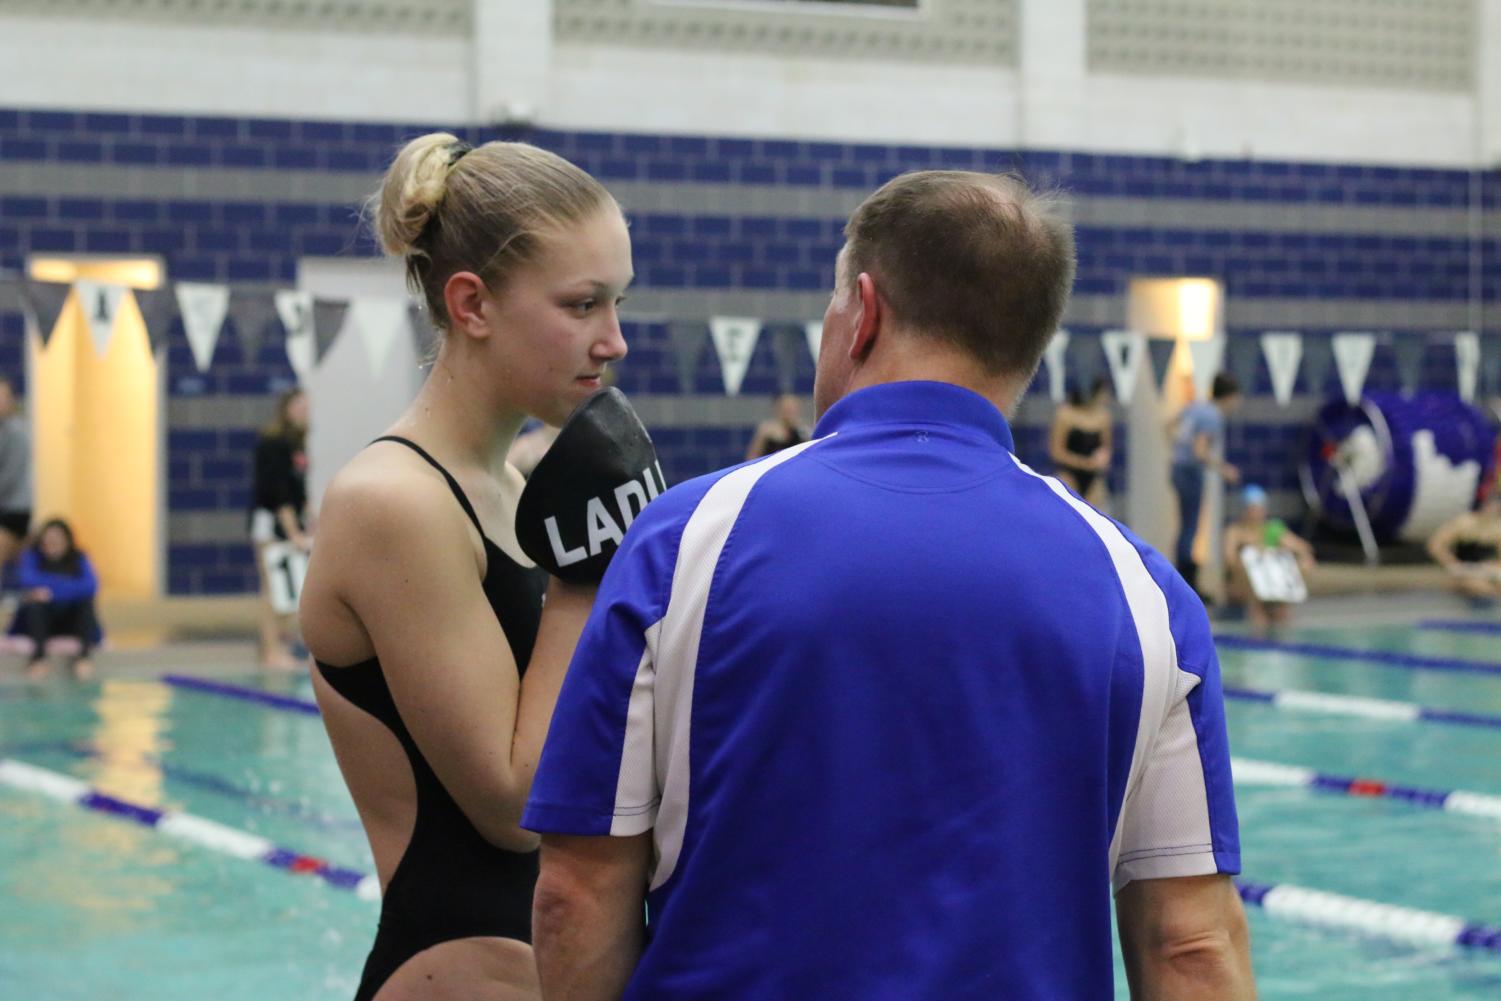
(559, 902)
(1213, 963)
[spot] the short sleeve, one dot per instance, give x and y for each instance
(1179, 817)
(597, 775)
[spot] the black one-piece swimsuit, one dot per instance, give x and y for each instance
(450, 883)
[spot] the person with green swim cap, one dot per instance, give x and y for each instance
(1256, 531)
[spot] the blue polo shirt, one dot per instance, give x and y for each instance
(897, 711)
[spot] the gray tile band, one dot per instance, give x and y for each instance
(186, 528)
(322, 187)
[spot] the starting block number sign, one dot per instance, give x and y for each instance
(286, 566)
(1274, 575)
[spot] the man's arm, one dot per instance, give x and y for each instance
(588, 915)
(1185, 939)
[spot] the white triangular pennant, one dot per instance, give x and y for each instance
(734, 342)
(100, 303)
(296, 312)
(1207, 357)
(1467, 362)
(813, 331)
(1057, 369)
(203, 310)
(1125, 351)
(1352, 359)
(1284, 353)
(379, 322)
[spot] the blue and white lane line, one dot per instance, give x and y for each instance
(1268, 773)
(198, 830)
(1354, 705)
(1294, 903)
(288, 702)
(1388, 658)
(1368, 917)
(1461, 626)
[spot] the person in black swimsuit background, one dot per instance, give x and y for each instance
(1082, 440)
(278, 513)
(785, 429)
(436, 668)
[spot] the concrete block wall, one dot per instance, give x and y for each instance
(726, 225)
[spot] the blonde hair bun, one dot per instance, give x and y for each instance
(413, 190)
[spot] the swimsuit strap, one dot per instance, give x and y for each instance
(453, 484)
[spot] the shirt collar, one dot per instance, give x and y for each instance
(919, 402)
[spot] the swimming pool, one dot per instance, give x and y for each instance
(99, 906)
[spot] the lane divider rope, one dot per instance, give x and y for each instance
(1461, 626)
(199, 830)
(1249, 772)
(1354, 705)
(1368, 917)
(1389, 658)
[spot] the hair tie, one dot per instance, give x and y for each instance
(456, 153)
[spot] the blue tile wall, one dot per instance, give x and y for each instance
(251, 241)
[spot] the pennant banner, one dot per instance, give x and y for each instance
(1283, 352)
(1085, 360)
(1243, 359)
(203, 310)
(43, 302)
(687, 344)
(10, 292)
(813, 331)
(787, 346)
(158, 308)
(1208, 359)
(1124, 352)
(328, 322)
(734, 340)
(296, 312)
(379, 322)
(1318, 359)
(251, 311)
(1467, 363)
(1054, 356)
(1352, 358)
(1160, 354)
(1408, 350)
(101, 307)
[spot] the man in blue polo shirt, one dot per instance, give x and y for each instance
(883, 717)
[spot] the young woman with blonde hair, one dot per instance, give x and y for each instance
(436, 668)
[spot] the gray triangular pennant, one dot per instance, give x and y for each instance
(1318, 359)
(688, 340)
(158, 308)
(251, 311)
(1085, 358)
(789, 347)
(10, 292)
(1408, 350)
(1160, 351)
(44, 302)
(1243, 360)
(1490, 363)
(101, 308)
(328, 320)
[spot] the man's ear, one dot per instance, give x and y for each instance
(466, 297)
(868, 323)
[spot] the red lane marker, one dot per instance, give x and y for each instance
(306, 863)
(1367, 787)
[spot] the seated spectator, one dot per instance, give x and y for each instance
(58, 587)
(1469, 548)
(1268, 597)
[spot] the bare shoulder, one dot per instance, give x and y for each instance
(383, 502)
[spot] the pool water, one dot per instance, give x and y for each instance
(96, 908)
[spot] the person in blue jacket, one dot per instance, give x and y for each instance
(58, 585)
